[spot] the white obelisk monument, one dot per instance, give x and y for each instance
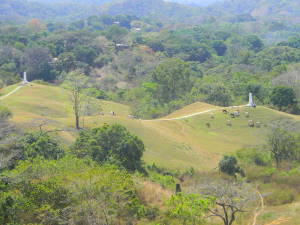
(251, 103)
(25, 81)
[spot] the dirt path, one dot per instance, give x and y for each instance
(195, 114)
(259, 209)
(279, 221)
(10, 93)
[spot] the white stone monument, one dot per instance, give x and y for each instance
(25, 81)
(251, 103)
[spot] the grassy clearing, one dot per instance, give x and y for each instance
(179, 144)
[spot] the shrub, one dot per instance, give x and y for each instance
(254, 156)
(280, 197)
(229, 166)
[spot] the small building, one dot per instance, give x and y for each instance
(121, 47)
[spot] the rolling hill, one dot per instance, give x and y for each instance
(175, 144)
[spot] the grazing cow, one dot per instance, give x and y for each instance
(131, 117)
(224, 111)
(237, 113)
(250, 123)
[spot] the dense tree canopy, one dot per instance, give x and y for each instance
(111, 143)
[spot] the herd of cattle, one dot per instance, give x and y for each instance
(236, 114)
(233, 115)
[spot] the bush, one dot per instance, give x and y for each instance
(37, 144)
(254, 156)
(228, 165)
(280, 197)
(263, 174)
(4, 113)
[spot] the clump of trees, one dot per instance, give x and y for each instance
(111, 144)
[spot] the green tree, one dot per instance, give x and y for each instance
(219, 47)
(66, 62)
(86, 54)
(116, 33)
(111, 143)
(217, 94)
(41, 144)
(282, 96)
(229, 165)
(173, 79)
(37, 63)
(199, 53)
(282, 145)
(254, 43)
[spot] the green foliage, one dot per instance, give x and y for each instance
(68, 190)
(217, 94)
(165, 180)
(282, 145)
(112, 144)
(254, 156)
(173, 79)
(116, 33)
(219, 47)
(188, 208)
(254, 43)
(282, 96)
(5, 114)
(41, 144)
(280, 197)
(96, 93)
(228, 165)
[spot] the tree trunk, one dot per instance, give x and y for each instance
(77, 121)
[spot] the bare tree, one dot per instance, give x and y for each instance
(46, 126)
(231, 198)
(76, 82)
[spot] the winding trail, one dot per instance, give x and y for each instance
(259, 209)
(10, 93)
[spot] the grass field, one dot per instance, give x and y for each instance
(175, 144)
(178, 144)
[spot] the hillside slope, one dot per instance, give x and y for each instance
(177, 144)
(264, 10)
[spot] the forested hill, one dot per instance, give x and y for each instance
(23, 10)
(57, 10)
(156, 9)
(188, 12)
(265, 10)
(195, 2)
